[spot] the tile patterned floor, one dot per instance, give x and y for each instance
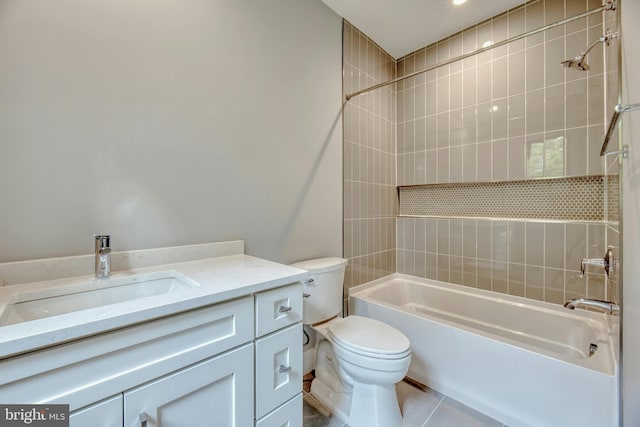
(420, 408)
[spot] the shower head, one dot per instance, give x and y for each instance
(579, 63)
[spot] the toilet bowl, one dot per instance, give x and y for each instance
(358, 359)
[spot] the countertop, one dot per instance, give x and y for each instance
(216, 279)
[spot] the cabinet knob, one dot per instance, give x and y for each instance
(282, 369)
(143, 419)
(285, 309)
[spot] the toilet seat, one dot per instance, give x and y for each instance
(369, 338)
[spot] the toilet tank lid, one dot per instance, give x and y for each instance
(320, 265)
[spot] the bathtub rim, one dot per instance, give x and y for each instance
(607, 367)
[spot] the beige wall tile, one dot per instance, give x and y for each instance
(469, 123)
(535, 67)
(499, 118)
(455, 164)
(554, 107)
(483, 112)
(554, 54)
(534, 243)
(500, 160)
(517, 118)
(455, 91)
(517, 158)
(469, 162)
(535, 111)
(484, 82)
(483, 269)
(554, 245)
(469, 86)
(516, 73)
(499, 78)
(443, 165)
(577, 147)
(516, 280)
(456, 128)
(443, 130)
(469, 272)
(577, 103)
(483, 167)
(534, 283)
(554, 286)
(443, 94)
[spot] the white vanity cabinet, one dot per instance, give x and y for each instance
(279, 357)
(208, 366)
(214, 392)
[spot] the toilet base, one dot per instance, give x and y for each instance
(359, 405)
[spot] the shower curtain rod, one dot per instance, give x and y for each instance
(611, 5)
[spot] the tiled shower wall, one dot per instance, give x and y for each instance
(512, 113)
(533, 259)
(502, 115)
(370, 197)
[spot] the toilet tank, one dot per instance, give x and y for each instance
(324, 289)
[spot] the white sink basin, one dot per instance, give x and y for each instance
(46, 303)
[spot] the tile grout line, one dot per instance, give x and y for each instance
(433, 411)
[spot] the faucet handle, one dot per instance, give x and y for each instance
(102, 240)
(102, 243)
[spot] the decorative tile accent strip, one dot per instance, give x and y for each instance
(577, 198)
(613, 198)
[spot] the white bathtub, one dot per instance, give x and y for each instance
(523, 362)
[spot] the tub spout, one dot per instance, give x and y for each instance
(605, 306)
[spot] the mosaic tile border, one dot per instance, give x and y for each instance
(574, 198)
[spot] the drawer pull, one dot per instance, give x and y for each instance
(310, 282)
(305, 295)
(143, 419)
(285, 309)
(282, 369)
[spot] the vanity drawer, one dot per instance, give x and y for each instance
(278, 368)
(278, 308)
(289, 414)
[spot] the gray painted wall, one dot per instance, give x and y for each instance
(168, 123)
(630, 10)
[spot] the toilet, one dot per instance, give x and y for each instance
(358, 360)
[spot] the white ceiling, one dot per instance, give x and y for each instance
(403, 26)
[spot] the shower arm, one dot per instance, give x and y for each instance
(611, 5)
(617, 111)
(602, 39)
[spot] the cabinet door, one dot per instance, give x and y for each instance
(107, 413)
(216, 392)
(278, 368)
(289, 415)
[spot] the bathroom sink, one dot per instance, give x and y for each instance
(47, 303)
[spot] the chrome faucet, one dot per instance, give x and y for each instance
(605, 306)
(607, 262)
(103, 256)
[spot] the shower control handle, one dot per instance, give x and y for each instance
(607, 262)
